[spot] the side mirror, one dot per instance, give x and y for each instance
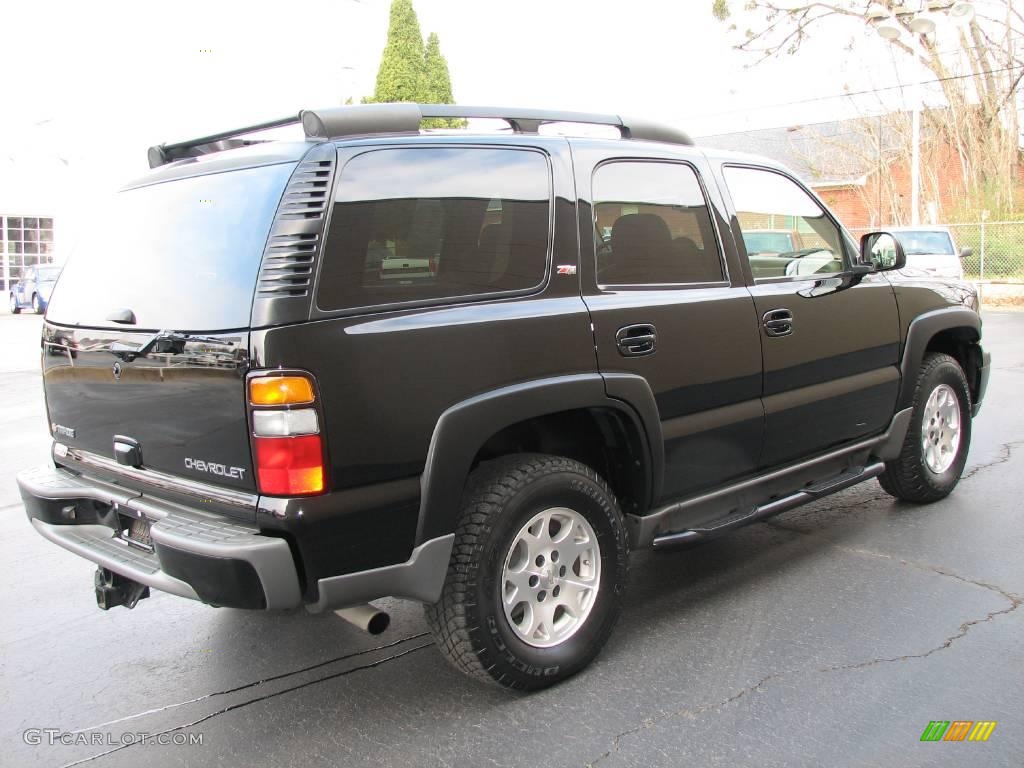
(966, 253)
(882, 252)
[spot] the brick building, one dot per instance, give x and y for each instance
(860, 167)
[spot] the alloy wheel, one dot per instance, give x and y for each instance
(940, 429)
(550, 578)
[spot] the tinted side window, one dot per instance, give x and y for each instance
(431, 223)
(785, 231)
(653, 226)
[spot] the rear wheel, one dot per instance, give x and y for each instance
(935, 450)
(13, 304)
(536, 573)
(37, 304)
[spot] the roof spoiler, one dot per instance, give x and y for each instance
(368, 119)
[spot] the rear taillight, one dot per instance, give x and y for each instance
(288, 450)
(280, 390)
(289, 466)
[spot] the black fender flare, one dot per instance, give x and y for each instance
(921, 331)
(466, 426)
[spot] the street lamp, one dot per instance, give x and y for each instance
(889, 27)
(877, 12)
(886, 20)
(961, 12)
(923, 23)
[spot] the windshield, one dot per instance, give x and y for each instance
(181, 255)
(918, 243)
(44, 274)
(768, 242)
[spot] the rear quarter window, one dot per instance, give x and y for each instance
(429, 223)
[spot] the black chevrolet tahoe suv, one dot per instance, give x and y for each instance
(474, 370)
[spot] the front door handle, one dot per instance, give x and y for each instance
(778, 322)
(636, 340)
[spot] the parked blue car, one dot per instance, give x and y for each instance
(34, 288)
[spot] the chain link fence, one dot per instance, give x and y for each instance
(997, 249)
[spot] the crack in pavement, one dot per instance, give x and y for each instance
(1006, 454)
(700, 709)
(245, 686)
(151, 737)
(1014, 600)
(1006, 448)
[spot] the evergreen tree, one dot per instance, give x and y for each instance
(437, 83)
(400, 77)
(408, 72)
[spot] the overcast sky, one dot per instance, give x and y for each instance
(89, 86)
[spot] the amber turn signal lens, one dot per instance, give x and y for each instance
(280, 390)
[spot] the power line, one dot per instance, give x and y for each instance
(864, 92)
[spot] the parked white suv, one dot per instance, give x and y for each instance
(932, 250)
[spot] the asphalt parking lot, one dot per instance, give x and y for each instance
(829, 636)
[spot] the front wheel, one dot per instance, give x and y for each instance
(536, 574)
(13, 304)
(37, 304)
(935, 450)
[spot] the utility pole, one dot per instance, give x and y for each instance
(915, 163)
(878, 178)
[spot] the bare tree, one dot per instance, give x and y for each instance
(979, 78)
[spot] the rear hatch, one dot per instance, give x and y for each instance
(147, 332)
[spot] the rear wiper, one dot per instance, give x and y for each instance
(163, 342)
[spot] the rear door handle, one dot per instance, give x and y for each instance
(636, 340)
(778, 322)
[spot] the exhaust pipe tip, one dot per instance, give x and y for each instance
(368, 618)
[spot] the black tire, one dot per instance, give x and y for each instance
(469, 622)
(37, 305)
(13, 304)
(908, 477)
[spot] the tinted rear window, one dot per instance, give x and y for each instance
(433, 223)
(182, 255)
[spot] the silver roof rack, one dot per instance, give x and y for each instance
(368, 119)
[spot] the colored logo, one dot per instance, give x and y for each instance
(958, 730)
